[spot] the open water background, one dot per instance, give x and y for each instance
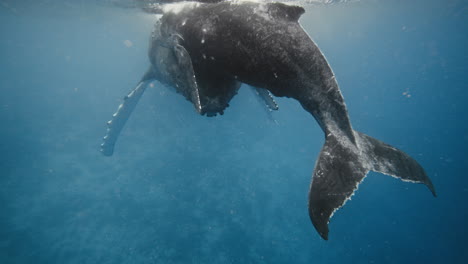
(182, 188)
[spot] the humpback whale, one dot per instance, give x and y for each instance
(205, 51)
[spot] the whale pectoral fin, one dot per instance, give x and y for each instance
(119, 118)
(185, 82)
(267, 101)
(265, 96)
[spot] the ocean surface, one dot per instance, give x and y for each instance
(184, 188)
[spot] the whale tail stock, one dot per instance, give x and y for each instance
(342, 165)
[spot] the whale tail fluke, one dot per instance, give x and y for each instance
(342, 165)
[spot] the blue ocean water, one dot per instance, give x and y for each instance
(183, 188)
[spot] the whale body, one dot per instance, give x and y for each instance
(205, 51)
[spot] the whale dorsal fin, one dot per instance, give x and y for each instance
(286, 12)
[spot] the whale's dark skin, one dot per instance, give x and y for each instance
(205, 51)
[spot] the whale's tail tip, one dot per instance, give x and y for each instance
(342, 165)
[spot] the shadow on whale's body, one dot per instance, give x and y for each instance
(205, 51)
